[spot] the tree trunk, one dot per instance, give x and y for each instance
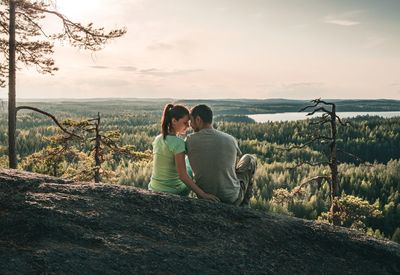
(12, 114)
(97, 151)
(334, 170)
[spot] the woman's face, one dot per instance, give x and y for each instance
(180, 126)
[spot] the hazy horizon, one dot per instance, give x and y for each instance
(223, 49)
(206, 99)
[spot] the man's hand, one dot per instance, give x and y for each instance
(210, 197)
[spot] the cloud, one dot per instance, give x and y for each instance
(164, 73)
(160, 46)
(119, 68)
(185, 44)
(345, 23)
(303, 85)
(150, 71)
(295, 90)
(263, 86)
(103, 82)
(346, 19)
(99, 67)
(127, 68)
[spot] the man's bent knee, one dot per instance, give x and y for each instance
(247, 163)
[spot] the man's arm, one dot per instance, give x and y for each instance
(238, 152)
(183, 176)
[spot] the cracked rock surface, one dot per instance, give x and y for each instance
(53, 225)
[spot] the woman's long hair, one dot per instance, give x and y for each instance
(171, 111)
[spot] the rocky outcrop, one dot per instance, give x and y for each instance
(52, 225)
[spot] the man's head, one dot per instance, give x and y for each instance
(201, 117)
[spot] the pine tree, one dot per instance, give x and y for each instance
(24, 42)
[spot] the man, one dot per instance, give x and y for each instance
(213, 158)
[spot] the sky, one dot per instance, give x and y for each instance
(297, 49)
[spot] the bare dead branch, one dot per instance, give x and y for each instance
(321, 122)
(323, 102)
(314, 164)
(92, 119)
(305, 144)
(49, 115)
(317, 179)
(324, 137)
(352, 155)
(320, 109)
(325, 118)
(298, 146)
(316, 103)
(342, 123)
(307, 107)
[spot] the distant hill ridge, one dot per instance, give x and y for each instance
(53, 225)
(219, 106)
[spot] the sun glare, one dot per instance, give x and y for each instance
(76, 9)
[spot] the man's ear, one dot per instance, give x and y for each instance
(199, 121)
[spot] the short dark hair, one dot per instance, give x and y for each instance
(203, 111)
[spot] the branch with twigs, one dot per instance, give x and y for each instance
(320, 109)
(125, 151)
(316, 103)
(28, 18)
(283, 195)
(314, 164)
(87, 37)
(307, 143)
(321, 122)
(317, 179)
(353, 156)
(28, 27)
(323, 102)
(50, 116)
(341, 122)
(3, 22)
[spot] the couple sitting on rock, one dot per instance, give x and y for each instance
(212, 168)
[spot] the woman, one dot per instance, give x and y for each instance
(169, 167)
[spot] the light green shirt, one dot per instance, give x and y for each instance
(165, 178)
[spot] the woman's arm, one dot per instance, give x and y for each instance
(181, 169)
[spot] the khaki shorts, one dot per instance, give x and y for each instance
(245, 169)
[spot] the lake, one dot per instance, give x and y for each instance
(299, 116)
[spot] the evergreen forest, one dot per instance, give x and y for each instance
(369, 160)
